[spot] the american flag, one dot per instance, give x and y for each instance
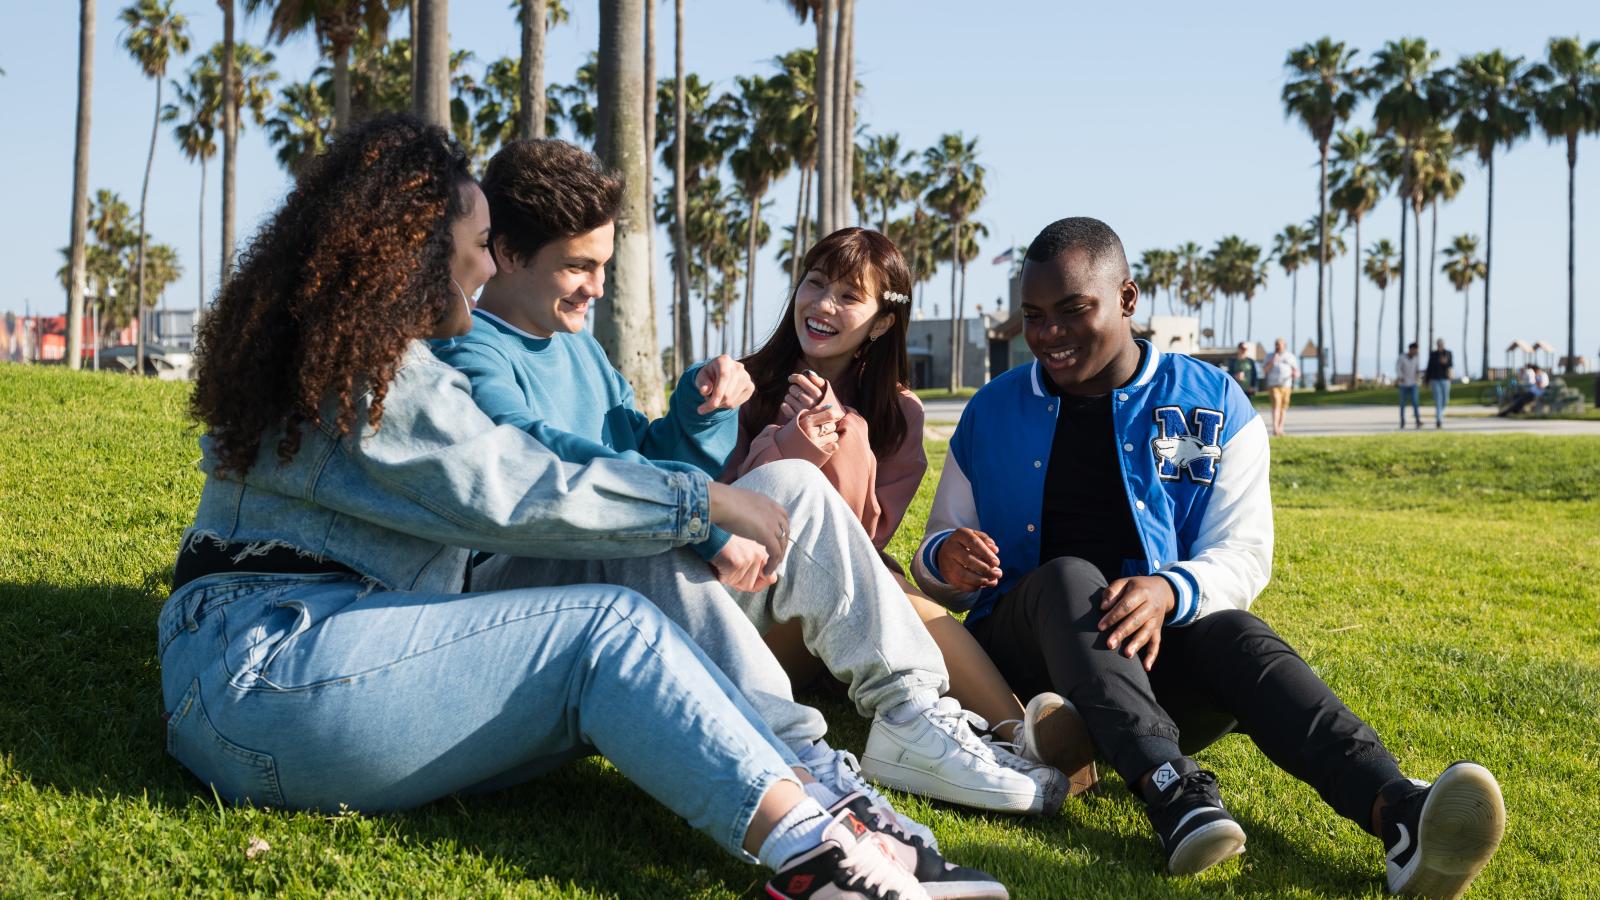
(1004, 257)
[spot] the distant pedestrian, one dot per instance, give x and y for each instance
(1441, 366)
(1405, 378)
(1243, 369)
(1283, 371)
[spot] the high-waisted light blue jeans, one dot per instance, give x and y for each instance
(314, 692)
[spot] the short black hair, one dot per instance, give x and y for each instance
(1411, 346)
(1079, 232)
(543, 191)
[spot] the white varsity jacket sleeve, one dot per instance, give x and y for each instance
(953, 507)
(1230, 559)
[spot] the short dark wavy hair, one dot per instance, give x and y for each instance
(352, 267)
(1079, 232)
(544, 191)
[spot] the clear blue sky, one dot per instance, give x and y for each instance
(1162, 119)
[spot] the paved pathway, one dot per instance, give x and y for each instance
(1311, 421)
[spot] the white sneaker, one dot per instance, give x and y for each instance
(937, 754)
(839, 772)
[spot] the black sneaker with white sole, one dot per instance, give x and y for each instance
(1187, 813)
(1438, 837)
(939, 878)
(852, 862)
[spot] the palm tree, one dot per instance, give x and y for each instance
(1462, 267)
(796, 84)
(1407, 106)
(1442, 182)
(247, 76)
(835, 93)
(1358, 185)
(1567, 105)
(196, 114)
(1159, 268)
(682, 334)
(1334, 233)
(1491, 96)
(337, 24)
(1321, 92)
(1380, 268)
(302, 127)
(155, 33)
(431, 93)
(77, 246)
(956, 191)
(627, 330)
(885, 168)
(534, 17)
(1290, 247)
(755, 163)
(701, 157)
(1190, 275)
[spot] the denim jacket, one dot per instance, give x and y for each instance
(404, 504)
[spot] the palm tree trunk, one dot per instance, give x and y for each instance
(78, 243)
(628, 329)
(1572, 268)
(411, 25)
(747, 326)
(432, 94)
(341, 87)
(961, 319)
(1400, 306)
(1466, 310)
(230, 142)
(1377, 333)
(705, 305)
(844, 112)
(808, 176)
(955, 271)
(1249, 320)
(1332, 354)
(1322, 255)
(1416, 308)
(649, 114)
(1294, 316)
(683, 333)
(138, 272)
(1433, 266)
(798, 248)
(1355, 332)
(531, 108)
(825, 19)
(1488, 270)
(200, 269)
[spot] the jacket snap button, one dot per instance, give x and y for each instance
(1127, 448)
(1030, 526)
(1139, 503)
(1122, 396)
(1036, 464)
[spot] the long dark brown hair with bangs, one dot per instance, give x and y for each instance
(867, 258)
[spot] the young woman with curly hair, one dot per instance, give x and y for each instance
(317, 651)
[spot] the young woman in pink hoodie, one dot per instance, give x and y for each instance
(831, 389)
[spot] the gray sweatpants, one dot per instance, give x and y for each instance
(853, 614)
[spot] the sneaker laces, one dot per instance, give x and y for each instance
(965, 726)
(847, 780)
(873, 865)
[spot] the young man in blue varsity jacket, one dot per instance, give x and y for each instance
(1104, 514)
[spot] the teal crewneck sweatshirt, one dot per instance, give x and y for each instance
(563, 390)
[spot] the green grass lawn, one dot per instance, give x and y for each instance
(1445, 585)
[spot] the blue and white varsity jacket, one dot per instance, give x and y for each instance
(1194, 466)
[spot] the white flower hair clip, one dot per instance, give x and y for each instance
(895, 297)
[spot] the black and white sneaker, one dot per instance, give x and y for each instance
(1438, 837)
(853, 862)
(1187, 813)
(939, 878)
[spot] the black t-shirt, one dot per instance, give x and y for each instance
(1439, 364)
(1085, 511)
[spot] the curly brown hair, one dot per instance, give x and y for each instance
(543, 191)
(352, 267)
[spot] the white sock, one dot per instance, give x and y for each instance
(906, 710)
(798, 831)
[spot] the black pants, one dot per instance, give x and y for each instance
(1228, 671)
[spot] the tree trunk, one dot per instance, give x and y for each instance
(230, 142)
(1466, 310)
(808, 176)
(961, 319)
(1322, 255)
(411, 24)
(531, 108)
(138, 271)
(1572, 268)
(78, 242)
(797, 249)
(628, 329)
(432, 94)
(1416, 293)
(683, 335)
(1333, 353)
(705, 304)
(200, 267)
(1400, 305)
(844, 113)
(747, 328)
(1294, 306)
(825, 19)
(1488, 270)
(955, 271)
(1377, 333)
(648, 111)
(1433, 266)
(341, 87)
(1355, 332)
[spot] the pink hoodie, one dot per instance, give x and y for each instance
(878, 490)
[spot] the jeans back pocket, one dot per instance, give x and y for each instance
(237, 773)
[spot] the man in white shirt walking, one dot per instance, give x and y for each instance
(1405, 377)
